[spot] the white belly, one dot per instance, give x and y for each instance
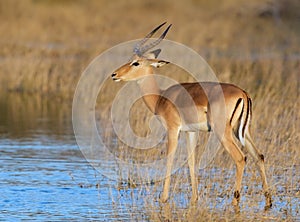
(202, 126)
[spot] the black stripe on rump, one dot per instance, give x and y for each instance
(235, 108)
(247, 116)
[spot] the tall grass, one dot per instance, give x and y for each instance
(45, 45)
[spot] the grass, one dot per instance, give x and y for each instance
(46, 45)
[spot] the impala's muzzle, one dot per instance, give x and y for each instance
(113, 76)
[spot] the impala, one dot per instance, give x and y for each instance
(230, 105)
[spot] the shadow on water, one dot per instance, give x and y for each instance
(44, 176)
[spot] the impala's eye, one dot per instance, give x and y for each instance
(135, 64)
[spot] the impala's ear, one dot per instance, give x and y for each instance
(159, 63)
(153, 54)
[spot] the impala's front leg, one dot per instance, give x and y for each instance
(172, 145)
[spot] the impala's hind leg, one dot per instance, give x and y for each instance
(259, 160)
(239, 158)
(191, 145)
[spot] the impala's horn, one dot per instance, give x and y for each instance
(140, 49)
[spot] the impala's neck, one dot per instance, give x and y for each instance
(150, 91)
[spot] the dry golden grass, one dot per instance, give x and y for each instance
(51, 42)
(46, 45)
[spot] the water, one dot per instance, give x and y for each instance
(44, 177)
(42, 181)
(43, 174)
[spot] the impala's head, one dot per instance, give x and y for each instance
(142, 63)
(138, 67)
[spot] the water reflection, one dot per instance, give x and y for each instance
(33, 117)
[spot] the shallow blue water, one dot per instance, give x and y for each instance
(53, 183)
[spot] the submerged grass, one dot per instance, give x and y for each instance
(45, 45)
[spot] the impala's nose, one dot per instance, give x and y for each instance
(113, 76)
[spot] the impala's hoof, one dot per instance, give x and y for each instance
(194, 200)
(236, 198)
(237, 209)
(235, 202)
(163, 198)
(268, 200)
(267, 206)
(236, 206)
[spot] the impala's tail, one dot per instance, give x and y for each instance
(243, 110)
